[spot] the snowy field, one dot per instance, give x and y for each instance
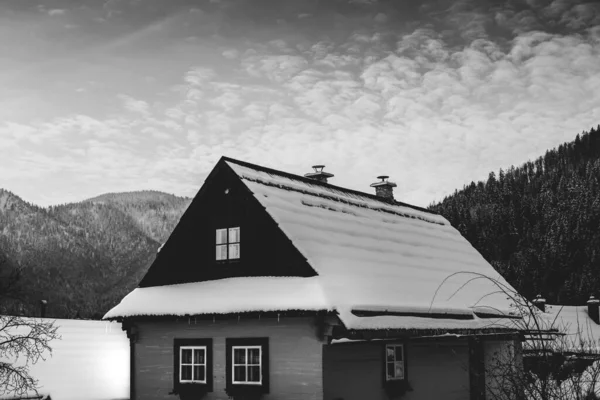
(90, 362)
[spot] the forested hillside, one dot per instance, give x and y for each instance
(539, 223)
(83, 257)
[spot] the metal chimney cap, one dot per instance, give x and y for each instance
(383, 177)
(318, 168)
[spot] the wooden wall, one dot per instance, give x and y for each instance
(436, 371)
(224, 201)
(295, 355)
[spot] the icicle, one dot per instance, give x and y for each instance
(189, 321)
(238, 318)
(213, 319)
(277, 317)
(195, 321)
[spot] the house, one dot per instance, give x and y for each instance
(279, 286)
(572, 341)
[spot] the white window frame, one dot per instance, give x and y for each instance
(233, 365)
(394, 346)
(193, 364)
(228, 242)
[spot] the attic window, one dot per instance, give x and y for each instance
(228, 244)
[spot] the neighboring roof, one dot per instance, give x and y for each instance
(580, 331)
(370, 254)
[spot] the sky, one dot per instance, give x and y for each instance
(122, 95)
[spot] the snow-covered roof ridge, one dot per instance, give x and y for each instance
(287, 181)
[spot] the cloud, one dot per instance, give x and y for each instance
(231, 54)
(56, 11)
(434, 95)
(135, 105)
(276, 68)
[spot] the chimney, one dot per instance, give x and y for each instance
(540, 303)
(319, 175)
(384, 188)
(593, 304)
(43, 304)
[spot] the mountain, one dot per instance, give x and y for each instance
(84, 257)
(539, 224)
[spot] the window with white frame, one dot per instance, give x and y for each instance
(228, 244)
(192, 364)
(246, 365)
(394, 362)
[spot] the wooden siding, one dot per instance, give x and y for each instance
(435, 371)
(295, 355)
(189, 253)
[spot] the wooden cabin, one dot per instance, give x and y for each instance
(280, 286)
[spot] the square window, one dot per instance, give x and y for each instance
(228, 244)
(192, 365)
(247, 365)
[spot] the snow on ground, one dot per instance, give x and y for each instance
(89, 362)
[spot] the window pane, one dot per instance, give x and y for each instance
(239, 356)
(399, 370)
(239, 374)
(390, 353)
(234, 235)
(399, 356)
(254, 374)
(390, 371)
(186, 356)
(254, 356)
(222, 252)
(199, 356)
(221, 236)
(186, 373)
(199, 373)
(234, 251)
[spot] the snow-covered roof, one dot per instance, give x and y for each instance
(224, 296)
(580, 331)
(370, 254)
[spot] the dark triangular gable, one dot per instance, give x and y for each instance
(189, 253)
